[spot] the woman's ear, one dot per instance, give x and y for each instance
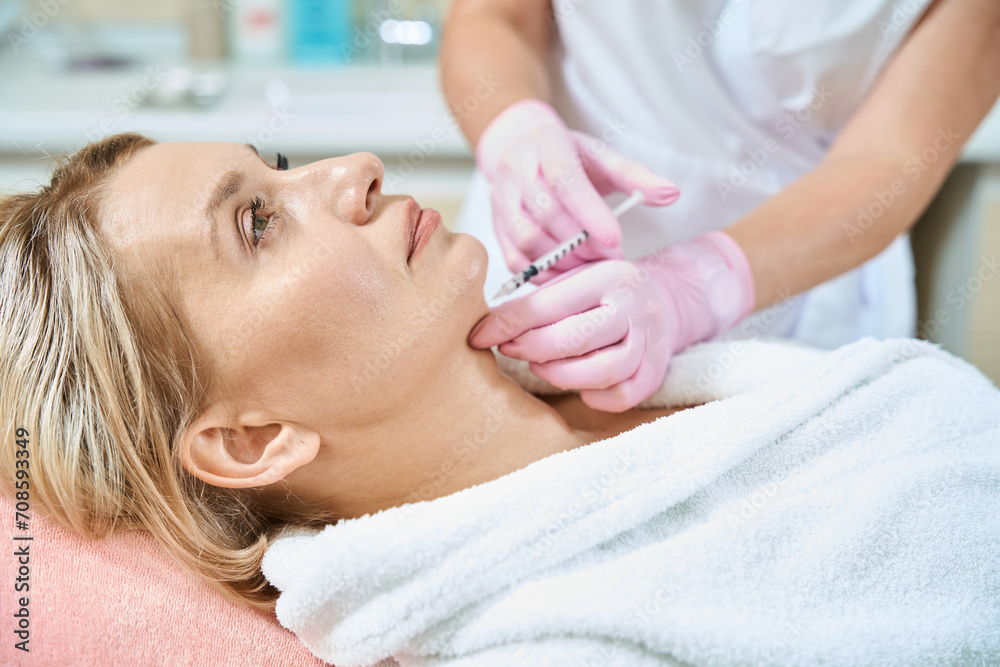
(245, 451)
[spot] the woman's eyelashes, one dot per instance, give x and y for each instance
(259, 222)
(254, 209)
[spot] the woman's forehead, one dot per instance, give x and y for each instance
(164, 188)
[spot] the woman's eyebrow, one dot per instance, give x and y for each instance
(226, 188)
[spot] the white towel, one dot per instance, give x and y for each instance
(836, 508)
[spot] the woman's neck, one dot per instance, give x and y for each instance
(472, 425)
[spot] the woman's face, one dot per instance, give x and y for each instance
(298, 283)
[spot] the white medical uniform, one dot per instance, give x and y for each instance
(732, 100)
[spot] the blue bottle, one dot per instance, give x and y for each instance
(320, 31)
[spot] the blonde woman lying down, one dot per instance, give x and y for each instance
(268, 370)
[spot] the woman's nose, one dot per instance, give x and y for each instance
(355, 184)
(371, 173)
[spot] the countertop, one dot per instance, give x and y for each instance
(306, 112)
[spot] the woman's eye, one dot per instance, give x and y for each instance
(259, 224)
(258, 221)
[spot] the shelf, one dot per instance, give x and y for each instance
(311, 112)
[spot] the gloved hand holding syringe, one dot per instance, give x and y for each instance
(546, 261)
(548, 183)
(605, 326)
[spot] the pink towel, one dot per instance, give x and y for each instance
(123, 601)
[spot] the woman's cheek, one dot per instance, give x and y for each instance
(372, 291)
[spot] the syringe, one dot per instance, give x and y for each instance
(547, 260)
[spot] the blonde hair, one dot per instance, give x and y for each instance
(105, 379)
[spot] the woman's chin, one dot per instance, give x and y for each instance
(468, 276)
(473, 259)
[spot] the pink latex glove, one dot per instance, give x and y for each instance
(548, 183)
(609, 328)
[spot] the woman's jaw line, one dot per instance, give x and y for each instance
(485, 426)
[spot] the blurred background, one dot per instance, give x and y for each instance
(319, 78)
(309, 78)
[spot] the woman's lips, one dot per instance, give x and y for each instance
(413, 212)
(427, 222)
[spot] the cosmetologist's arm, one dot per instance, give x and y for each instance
(889, 160)
(492, 55)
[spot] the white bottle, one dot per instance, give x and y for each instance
(256, 30)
